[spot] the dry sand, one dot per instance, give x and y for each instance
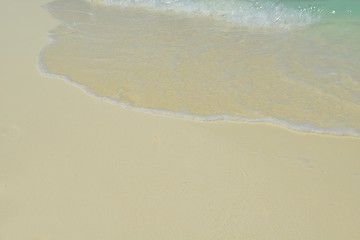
(75, 167)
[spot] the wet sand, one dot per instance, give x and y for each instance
(73, 166)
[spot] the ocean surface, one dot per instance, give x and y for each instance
(295, 63)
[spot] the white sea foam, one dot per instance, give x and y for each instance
(245, 12)
(300, 127)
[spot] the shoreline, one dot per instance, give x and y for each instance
(202, 108)
(274, 122)
(73, 166)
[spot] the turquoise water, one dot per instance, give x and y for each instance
(293, 63)
(285, 13)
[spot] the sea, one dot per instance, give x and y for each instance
(294, 63)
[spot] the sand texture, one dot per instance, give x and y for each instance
(76, 167)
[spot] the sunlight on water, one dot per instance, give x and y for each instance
(246, 12)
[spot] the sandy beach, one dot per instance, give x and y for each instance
(73, 166)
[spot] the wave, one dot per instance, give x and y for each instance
(245, 12)
(288, 79)
(306, 127)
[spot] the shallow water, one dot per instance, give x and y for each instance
(295, 63)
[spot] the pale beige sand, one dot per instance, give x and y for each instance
(75, 167)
